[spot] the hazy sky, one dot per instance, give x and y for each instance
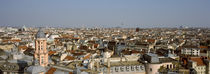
(107, 13)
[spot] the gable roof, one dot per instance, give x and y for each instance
(199, 61)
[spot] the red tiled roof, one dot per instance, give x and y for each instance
(96, 45)
(198, 60)
(151, 40)
(13, 40)
(71, 51)
(51, 71)
(51, 52)
(69, 58)
(87, 57)
(78, 54)
(204, 47)
(83, 47)
(22, 47)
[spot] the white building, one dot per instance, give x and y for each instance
(153, 63)
(191, 51)
(199, 65)
(130, 67)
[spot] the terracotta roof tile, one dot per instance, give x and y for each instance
(83, 47)
(134, 51)
(151, 40)
(69, 58)
(87, 57)
(96, 45)
(51, 71)
(204, 47)
(78, 54)
(70, 72)
(22, 47)
(51, 52)
(198, 60)
(12, 40)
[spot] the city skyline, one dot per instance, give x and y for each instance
(109, 13)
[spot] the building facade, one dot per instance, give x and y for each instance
(191, 51)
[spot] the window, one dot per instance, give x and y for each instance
(127, 68)
(142, 68)
(167, 66)
(42, 59)
(122, 68)
(170, 66)
(150, 69)
(116, 69)
(132, 68)
(137, 67)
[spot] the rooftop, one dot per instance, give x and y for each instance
(199, 61)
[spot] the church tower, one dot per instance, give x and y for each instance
(41, 53)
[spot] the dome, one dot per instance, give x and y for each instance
(35, 69)
(24, 28)
(40, 33)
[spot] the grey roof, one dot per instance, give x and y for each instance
(35, 69)
(152, 54)
(40, 33)
(154, 58)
